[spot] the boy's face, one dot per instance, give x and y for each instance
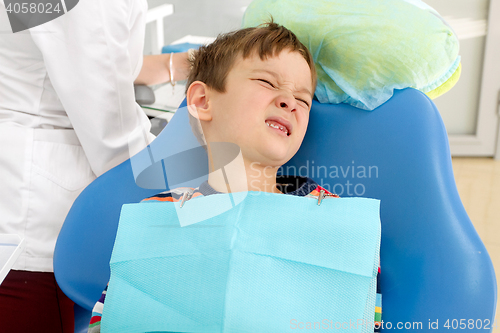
(265, 109)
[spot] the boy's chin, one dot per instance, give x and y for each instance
(271, 158)
(278, 157)
(274, 161)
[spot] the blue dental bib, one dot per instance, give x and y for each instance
(262, 263)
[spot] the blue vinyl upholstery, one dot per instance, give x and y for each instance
(434, 265)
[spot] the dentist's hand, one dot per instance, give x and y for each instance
(156, 68)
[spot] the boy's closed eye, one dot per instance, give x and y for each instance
(303, 101)
(267, 82)
(273, 86)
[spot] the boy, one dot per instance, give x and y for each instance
(252, 88)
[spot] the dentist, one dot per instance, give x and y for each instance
(67, 115)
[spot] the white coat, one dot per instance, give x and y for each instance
(67, 114)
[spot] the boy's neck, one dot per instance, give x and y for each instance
(241, 175)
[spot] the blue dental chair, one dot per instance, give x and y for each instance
(433, 263)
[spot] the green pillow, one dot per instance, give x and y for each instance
(364, 49)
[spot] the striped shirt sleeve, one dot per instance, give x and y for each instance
(95, 320)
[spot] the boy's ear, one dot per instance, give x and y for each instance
(197, 98)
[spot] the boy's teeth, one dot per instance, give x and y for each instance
(277, 126)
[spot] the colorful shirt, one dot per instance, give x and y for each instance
(291, 185)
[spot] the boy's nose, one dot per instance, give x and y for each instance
(286, 103)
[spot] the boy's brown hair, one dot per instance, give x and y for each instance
(212, 63)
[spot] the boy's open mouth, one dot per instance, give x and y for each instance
(280, 124)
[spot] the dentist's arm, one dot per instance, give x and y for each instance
(92, 54)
